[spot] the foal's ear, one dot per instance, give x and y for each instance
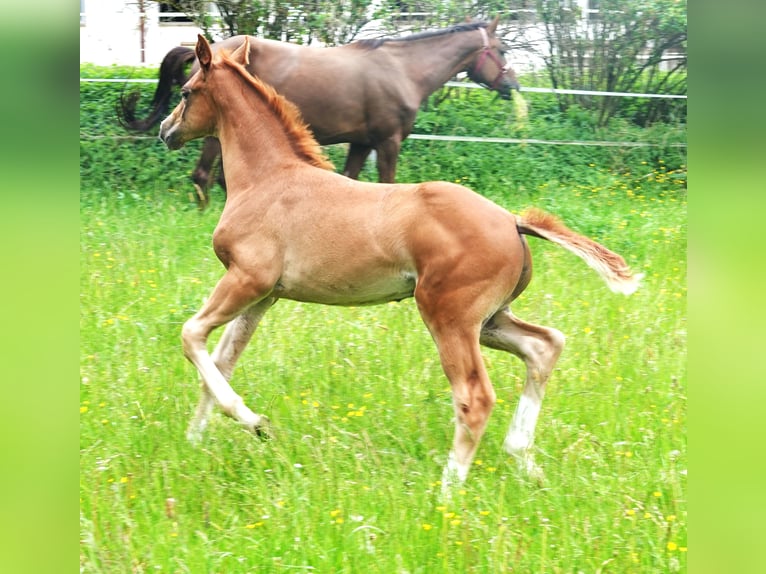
(204, 54)
(493, 25)
(242, 54)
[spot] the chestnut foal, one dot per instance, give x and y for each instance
(293, 229)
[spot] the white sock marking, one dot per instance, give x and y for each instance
(522, 430)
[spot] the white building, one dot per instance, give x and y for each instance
(131, 32)
(135, 32)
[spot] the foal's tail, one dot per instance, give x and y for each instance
(172, 72)
(608, 264)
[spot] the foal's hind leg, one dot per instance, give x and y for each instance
(539, 348)
(233, 341)
(472, 397)
(456, 338)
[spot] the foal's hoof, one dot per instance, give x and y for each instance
(194, 436)
(536, 475)
(533, 471)
(530, 468)
(261, 428)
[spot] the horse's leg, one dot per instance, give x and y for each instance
(221, 178)
(357, 154)
(388, 154)
(539, 347)
(201, 176)
(455, 330)
(233, 341)
(234, 293)
(472, 398)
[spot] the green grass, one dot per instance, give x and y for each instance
(362, 410)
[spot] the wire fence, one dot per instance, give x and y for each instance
(454, 84)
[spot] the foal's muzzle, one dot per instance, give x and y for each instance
(169, 135)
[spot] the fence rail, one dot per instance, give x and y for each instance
(453, 84)
(470, 139)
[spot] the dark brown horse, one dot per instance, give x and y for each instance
(366, 93)
(293, 229)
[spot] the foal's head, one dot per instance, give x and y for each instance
(203, 98)
(490, 68)
(196, 114)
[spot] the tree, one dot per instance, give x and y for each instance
(621, 46)
(413, 15)
(335, 22)
(329, 21)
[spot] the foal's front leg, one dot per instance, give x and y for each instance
(233, 341)
(234, 293)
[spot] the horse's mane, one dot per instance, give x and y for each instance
(373, 43)
(301, 137)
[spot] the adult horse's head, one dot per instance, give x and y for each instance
(195, 115)
(489, 68)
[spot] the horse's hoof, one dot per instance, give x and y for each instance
(536, 475)
(261, 428)
(201, 198)
(532, 470)
(194, 437)
(195, 432)
(529, 467)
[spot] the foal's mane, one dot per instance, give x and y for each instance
(373, 43)
(298, 132)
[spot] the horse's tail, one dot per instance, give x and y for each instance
(172, 73)
(608, 264)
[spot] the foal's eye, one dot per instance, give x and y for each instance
(184, 94)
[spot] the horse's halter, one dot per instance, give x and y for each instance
(486, 52)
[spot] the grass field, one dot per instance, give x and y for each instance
(362, 411)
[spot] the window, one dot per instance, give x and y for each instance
(174, 12)
(522, 10)
(82, 12)
(593, 10)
